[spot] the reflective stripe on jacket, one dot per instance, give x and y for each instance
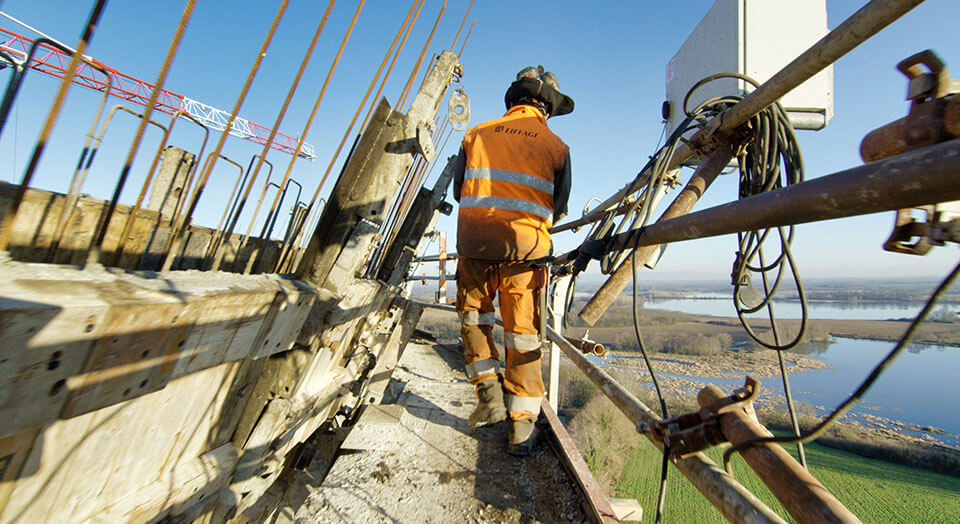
(508, 186)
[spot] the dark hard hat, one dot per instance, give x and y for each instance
(534, 82)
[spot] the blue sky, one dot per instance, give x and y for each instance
(609, 56)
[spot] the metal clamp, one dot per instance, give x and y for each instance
(694, 432)
(929, 90)
(929, 84)
(939, 225)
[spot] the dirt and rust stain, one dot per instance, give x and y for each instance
(444, 477)
(382, 473)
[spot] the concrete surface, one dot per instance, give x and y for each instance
(417, 461)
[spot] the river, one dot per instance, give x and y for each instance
(722, 306)
(919, 388)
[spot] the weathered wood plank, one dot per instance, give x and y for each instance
(567, 449)
(186, 485)
(135, 356)
(77, 341)
(13, 453)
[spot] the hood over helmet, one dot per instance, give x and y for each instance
(535, 83)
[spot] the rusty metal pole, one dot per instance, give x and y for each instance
(734, 501)
(699, 182)
(920, 177)
(802, 495)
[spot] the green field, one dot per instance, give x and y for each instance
(874, 490)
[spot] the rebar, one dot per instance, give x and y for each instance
(465, 15)
(396, 54)
(273, 133)
(135, 146)
(6, 223)
(175, 239)
(316, 104)
(423, 52)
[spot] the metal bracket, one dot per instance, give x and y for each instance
(694, 432)
(938, 226)
(458, 109)
(928, 90)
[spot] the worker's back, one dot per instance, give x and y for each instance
(507, 196)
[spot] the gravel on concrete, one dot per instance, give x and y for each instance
(416, 461)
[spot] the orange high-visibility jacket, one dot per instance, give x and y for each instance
(512, 181)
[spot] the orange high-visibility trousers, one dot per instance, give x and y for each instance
(518, 284)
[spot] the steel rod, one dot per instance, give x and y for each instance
(218, 254)
(462, 22)
(436, 258)
(101, 235)
(802, 495)
(598, 212)
(100, 232)
(73, 194)
(414, 8)
(681, 205)
(175, 240)
(313, 113)
(466, 38)
(920, 177)
(722, 490)
(423, 52)
(6, 223)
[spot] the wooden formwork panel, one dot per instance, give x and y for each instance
(121, 450)
(78, 341)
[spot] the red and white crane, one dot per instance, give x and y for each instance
(53, 61)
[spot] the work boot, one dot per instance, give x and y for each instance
(490, 407)
(522, 436)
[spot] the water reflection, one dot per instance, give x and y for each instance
(723, 306)
(918, 388)
(814, 348)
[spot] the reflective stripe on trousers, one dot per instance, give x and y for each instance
(521, 341)
(517, 404)
(476, 318)
(479, 368)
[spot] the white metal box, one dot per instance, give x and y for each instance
(756, 38)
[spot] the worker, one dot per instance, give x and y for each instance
(512, 181)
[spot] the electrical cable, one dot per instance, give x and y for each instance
(854, 397)
(661, 493)
(774, 144)
(636, 216)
